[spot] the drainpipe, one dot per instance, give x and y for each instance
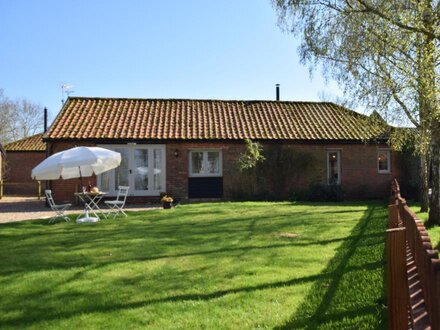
(45, 120)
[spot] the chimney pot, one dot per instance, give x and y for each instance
(277, 88)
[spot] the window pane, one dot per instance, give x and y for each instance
(121, 172)
(383, 160)
(333, 167)
(196, 162)
(213, 165)
(141, 169)
(105, 181)
(157, 176)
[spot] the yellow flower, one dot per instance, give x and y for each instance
(166, 199)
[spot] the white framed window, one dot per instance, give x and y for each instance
(333, 167)
(142, 168)
(383, 161)
(204, 163)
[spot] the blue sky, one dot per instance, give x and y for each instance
(224, 49)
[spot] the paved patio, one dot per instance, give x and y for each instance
(14, 209)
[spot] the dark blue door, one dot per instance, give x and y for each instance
(205, 187)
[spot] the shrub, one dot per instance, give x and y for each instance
(252, 156)
(325, 193)
(273, 179)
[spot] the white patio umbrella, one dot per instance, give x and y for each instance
(77, 162)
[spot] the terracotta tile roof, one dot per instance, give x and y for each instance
(118, 118)
(31, 143)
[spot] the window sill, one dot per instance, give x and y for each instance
(205, 175)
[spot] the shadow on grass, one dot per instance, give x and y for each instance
(349, 299)
(28, 251)
(433, 229)
(30, 317)
(50, 264)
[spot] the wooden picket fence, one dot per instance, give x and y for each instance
(413, 269)
(33, 188)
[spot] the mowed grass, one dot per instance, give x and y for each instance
(253, 265)
(433, 230)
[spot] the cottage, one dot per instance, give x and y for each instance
(21, 157)
(189, 148)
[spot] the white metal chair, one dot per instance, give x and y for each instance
(117, 206)
(57, 208)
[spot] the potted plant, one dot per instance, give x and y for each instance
(166, 201)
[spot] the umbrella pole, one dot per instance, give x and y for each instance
(82, 190)
(80, 178)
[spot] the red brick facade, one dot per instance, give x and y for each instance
(359, 174)
(18, 167)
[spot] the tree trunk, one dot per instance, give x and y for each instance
(429, 88)
(424, 186)
(434, 210)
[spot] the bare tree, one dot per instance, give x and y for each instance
(6, 113)
(19, 119)
(29, 118)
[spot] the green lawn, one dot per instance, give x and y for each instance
(433, 231)
(253, 265)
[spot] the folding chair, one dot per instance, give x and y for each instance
(57, 208)
(116, 206)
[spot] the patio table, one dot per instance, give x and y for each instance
(91, 201)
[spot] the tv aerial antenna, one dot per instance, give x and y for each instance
(66, 89)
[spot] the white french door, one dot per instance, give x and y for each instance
(142, 168)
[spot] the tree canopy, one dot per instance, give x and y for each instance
(385, 56)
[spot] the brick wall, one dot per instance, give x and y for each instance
(18, 168)
(178, 167)
(359, 176)
(20, 165)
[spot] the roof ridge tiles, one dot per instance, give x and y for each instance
(200, 100)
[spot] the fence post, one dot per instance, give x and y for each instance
(39, 190)
(435, 302)
(393, 216)
(397, 279)
(1, 189)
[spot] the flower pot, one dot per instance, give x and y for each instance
(166, 205)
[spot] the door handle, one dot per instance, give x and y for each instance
(129, 171)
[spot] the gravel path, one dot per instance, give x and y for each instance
(25, 208)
